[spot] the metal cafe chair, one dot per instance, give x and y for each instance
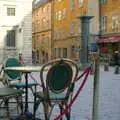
(14, 78)
(6, 94)
(57, 86)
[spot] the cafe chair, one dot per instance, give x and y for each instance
(6, 94)
(14, 78)
(57, 86)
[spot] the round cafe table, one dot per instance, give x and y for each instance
(25, 70)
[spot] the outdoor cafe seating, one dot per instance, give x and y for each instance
(6, 94)
(57, 82)
(13, 80)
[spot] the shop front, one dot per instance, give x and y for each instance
(108, 45)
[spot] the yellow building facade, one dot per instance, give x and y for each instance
(67, 27)
(109, 26)
(61, 36)
(41, 32)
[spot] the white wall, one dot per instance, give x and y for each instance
(23, 22)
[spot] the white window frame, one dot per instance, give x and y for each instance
(72, 4)
(80, 3)
(103, 23)
(115, 22)
(64, 13)
(59, 15)
(11, 11)
(72, 28)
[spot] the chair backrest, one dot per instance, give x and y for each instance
(60, 75)
(12, 75)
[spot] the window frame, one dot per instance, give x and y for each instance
(65, 53)
(103, 23)
(9, 39)
(11, 11)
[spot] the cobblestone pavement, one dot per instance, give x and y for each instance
(109, 99)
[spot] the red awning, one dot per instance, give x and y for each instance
(109, 39)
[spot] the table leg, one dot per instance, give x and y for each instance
(26, 92)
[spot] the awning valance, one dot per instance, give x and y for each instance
(109, 39)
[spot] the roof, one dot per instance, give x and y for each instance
(38, 3)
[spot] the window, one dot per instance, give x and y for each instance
(48, 8)
(56, 15)
(59, 52)
(72, 28)
(64, 12)
(43, 9)
(43, 22)
(58, 0)
(72, 4)
(114, 22)
(79, 27)
(103, 22)
(10, 38)
(65, 52)
(59, 15)
(103, 1)
(55, 49)
(10, 11)
(80, 3)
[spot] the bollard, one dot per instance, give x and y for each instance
(95, 91)
(117, 70)
(106, 68)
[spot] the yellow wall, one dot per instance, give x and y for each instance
(112, 7)
(71, 17)
(42, 29)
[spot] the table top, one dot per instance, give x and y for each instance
(25, 68)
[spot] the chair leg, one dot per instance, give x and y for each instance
(20, 103)
(6, 103)
(46, 111)
(68, 114)
(61, 109)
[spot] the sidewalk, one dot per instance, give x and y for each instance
(109, 99)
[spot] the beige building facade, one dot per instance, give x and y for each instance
(41, 33)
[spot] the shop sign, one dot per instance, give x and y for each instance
(93, 47)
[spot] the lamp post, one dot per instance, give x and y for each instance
(85, 35)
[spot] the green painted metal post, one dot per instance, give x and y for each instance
(96, 91)
(85, 35)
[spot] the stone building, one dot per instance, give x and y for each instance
(16, 29)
